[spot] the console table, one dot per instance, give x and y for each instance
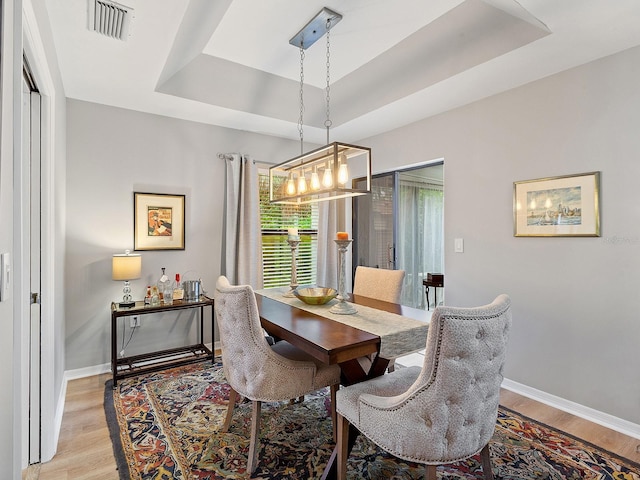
(148, 362)
(434, 280)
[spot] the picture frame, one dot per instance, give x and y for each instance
(564, 206)
(158, 221)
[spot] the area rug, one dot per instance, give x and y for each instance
(166, 425)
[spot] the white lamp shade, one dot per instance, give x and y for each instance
(127, 266)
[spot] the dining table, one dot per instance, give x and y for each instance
(362, 344)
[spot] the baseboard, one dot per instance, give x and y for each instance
(614, 423)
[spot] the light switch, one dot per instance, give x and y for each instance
(458, 245)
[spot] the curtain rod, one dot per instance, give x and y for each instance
(227, 156)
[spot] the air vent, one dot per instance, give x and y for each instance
(110, 18)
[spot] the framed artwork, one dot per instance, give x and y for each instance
(566, 206)
(158, 220)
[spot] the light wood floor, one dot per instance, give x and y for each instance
(85, 452)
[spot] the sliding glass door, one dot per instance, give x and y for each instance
(374, 228)
(400, 226)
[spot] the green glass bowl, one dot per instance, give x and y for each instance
(315, 295)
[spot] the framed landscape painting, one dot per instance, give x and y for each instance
(158, 221)
(566, 206)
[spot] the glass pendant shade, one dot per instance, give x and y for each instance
(302, 184)
(315, 180)
(343, 174)
(291, 186)
(327, 178)
(337, 163)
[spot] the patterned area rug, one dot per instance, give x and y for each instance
(166, 426)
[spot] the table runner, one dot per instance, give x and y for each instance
(399, 335)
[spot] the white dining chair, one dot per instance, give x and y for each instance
(259, 371)
(445, 411)
(378, 283)
(381, 284)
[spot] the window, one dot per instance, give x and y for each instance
(275, 219)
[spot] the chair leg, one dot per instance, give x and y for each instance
(255, 437)
(485, 457)
(392, 366)
(233, 396)
(333, 389)
(431, 472)
(342, 447)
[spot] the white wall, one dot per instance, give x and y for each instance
(576, 305)
(111, 153)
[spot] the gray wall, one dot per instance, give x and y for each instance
(111, 153)
(575, 300)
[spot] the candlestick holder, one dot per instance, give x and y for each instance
(342, 307)
(293, 242)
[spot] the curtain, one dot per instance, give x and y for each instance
(421, 250)
(242, 249)
(327, 268)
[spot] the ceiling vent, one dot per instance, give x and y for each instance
(110, 18)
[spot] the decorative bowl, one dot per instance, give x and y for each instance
(315, 295)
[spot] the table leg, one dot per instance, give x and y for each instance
(201, 325)
(351, 372)
(213, 338)
(427, 288)
(379, 367)
(114, 353)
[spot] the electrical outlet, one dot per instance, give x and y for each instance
(134, 321)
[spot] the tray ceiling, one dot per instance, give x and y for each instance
(229, 62)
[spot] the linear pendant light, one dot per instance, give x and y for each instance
(327, 172)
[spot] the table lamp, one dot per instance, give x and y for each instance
(126, 267)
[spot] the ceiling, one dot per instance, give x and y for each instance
(229, 62)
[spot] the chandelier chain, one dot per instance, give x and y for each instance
(301, 118)
(327, 122)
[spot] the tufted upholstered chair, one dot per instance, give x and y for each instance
(378, 283)
(381, 284)
(257, 370)
(445, 411)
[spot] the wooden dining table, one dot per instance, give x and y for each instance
(332, 341)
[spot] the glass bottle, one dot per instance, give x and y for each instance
(147, 297)
(163, 287)
(155, 297)
(178, 291)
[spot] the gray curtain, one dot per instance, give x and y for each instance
(327, 268)
(421, 249)
(242, 246)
